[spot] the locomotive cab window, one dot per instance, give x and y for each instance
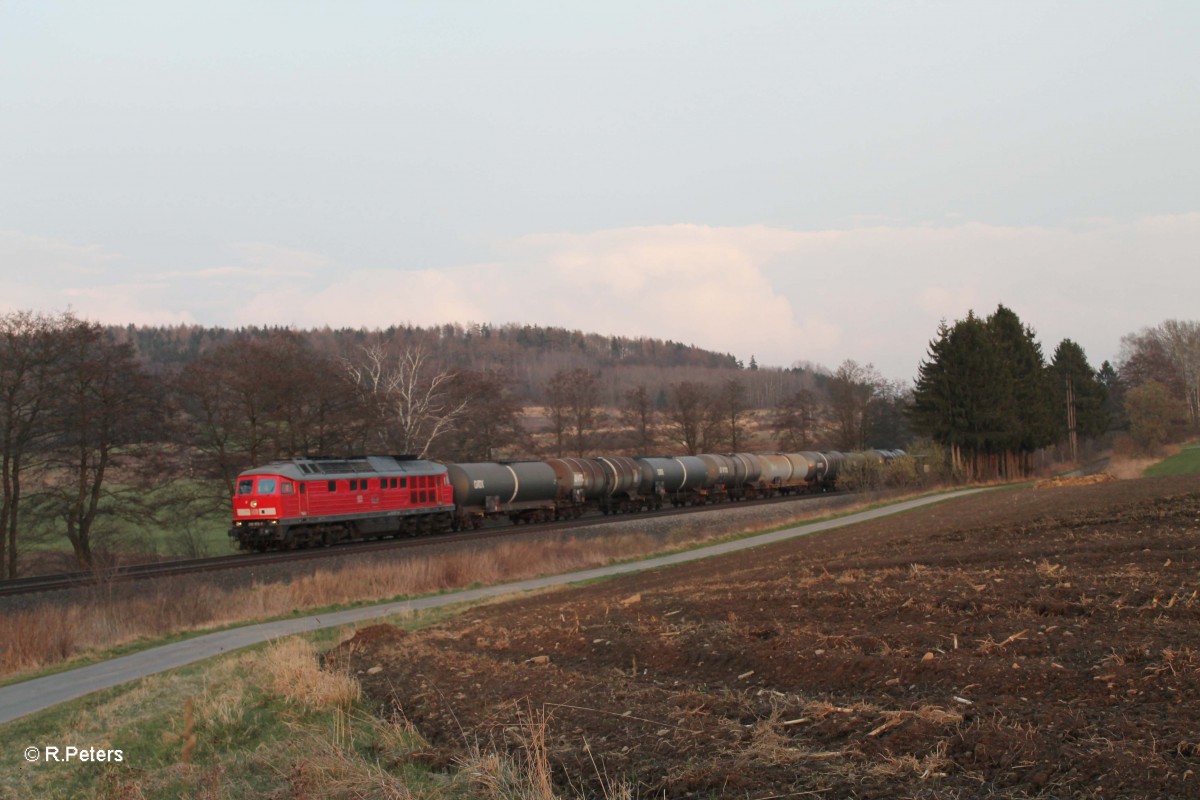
(246, 486)
(286, 488)
(266, 486)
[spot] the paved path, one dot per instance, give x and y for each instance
(21, 699)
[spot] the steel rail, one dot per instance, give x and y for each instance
(164, 569)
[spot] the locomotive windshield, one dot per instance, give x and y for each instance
(265, 486)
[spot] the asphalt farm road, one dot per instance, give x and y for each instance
(28, 697)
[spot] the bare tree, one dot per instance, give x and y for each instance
(794, 420)
(408, 396)
(1155, 416)
(733, 407)
(491, 423)
(28, 354)
(690, 416)
(1168, 354)
(108, 412)
(851, 390)
(1181, 340)
(310, 410)
(573, 398)
(639, 415)
(229, 399)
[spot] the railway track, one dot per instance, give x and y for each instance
(166, 569)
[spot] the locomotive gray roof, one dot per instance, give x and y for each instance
(298, 468)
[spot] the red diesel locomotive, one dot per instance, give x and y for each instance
(304, 502)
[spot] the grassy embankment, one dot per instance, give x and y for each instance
(65, 634)
(190, 524)
(264, 722)
(1185, 462)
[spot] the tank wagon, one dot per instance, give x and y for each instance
(321, 501)
(523, 491)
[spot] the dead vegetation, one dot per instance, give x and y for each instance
(1075, 480)
(1019, 644)
(105, 617)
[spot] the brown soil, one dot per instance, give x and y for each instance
(1016, 643)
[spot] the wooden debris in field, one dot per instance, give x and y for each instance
(1078, 480)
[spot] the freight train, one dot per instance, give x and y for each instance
(306, 502)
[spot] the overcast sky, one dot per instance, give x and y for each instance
(794, 181)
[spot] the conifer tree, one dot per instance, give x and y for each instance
(985, 393)
(954, 401)
(1080, 387)
(1024, 391)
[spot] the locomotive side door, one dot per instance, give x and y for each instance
(302, 497)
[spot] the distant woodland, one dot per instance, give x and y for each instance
(101, 424)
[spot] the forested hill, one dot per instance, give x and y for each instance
(475, 346)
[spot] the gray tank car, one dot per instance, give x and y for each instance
(679, 480)
(524, 491)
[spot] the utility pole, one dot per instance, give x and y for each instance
(1071, 436)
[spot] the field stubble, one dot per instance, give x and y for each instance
(1017, 644)
(48, 631)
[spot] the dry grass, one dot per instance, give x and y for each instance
(494, 773)
(1077, 480)
(48, 635)
(298, 677)
(321, 766)
(1129, 467)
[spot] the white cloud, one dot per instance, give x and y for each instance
(685, 282)
(370, 298)
(874, 294)
(39, 273)
(125, 303)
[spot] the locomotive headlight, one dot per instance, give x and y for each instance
(254, 504)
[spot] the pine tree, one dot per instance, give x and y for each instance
(1025, 392)
(955, 402)
(985, 393)
(1081, 394)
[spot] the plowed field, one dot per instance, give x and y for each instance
(1017, 643)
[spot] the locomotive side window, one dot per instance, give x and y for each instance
(404, 483)
(286, 488)
(393, 482)
(245, 486)
(302, 488)
(333, 486)
(354, 484)
(266, 486)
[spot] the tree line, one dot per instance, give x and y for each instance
(988, 395)
(99, 426)
(103, 426)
